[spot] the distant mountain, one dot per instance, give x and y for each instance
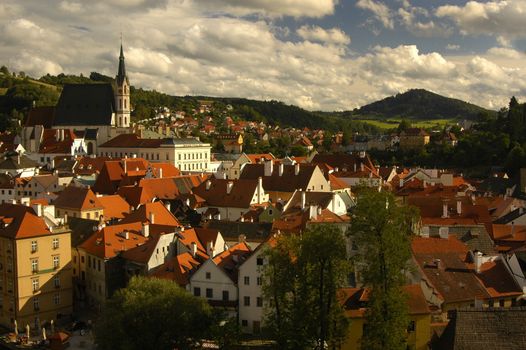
(422, 104)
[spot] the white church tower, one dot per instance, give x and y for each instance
(122, 95)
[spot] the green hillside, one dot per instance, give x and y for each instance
(421, 104)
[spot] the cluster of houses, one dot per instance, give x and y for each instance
(87, 202)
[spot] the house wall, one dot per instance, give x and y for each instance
(252, 314)
(218, 282)
(16, 279)
(165, 249)
(416, 340)
(84, 214)
(96, 289)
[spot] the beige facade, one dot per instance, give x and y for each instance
(35, 279)
(92, 214)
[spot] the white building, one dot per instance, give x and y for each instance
(187, 154)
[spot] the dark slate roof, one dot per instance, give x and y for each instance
(85, 104)
(485, 328)
(81, 229)
(40, 116)
(511, 216)
(12, 162)
(230, 230)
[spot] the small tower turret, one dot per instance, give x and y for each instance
(122, 95)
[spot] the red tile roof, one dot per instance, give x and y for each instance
(230, 259)
(18, 221)
(77, 198)
(161, 215)
(178, 269)
(115, 207)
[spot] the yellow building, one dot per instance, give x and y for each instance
(413, 138)
(78, 202)
(35, 268)
(355, 300)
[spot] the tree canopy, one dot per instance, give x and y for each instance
(381, 231)
(153, 314)
(302, 277)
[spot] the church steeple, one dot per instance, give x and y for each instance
(122, 95)
(121, 73)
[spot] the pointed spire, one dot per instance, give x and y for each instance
(121, 74)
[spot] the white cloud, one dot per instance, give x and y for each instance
(330, 36)
(495, 18)
(183, 47)
(381, 12)
(415, 20)
(452, 47)
(294, 8)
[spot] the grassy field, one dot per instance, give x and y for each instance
(393, 123)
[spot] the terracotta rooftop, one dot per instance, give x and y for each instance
(156, 211)
(77, 198)
(115, 207)
(19, 221)
(178, 269)
(217, 195)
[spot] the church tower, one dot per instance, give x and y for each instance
(122, 95)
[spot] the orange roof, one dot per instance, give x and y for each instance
(114, 206)
(77, 198)
(189, 236)
(497, 280)
(161, 215)
(256, 158)
(18, 221)
(354, 300)
(230, 259)
(177, 269)
(109, 241)
(168, 170)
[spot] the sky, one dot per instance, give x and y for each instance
(317, 54)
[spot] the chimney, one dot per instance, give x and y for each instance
(313, 212)
(260, 190)
(126, 235)
(61, 134)
(444, 210)
(194, 249)
(477, 257)
(438, 263)
(57, 135)
(303, 199)
(210, 249)
(125, 166)
(167, 206)
(151, 217)
(37, 208)
(187, 202)
(229, 186)
(146, 229)
(268, 167)
(242, 218)
(208, 184)
(334, 199)
(241, 238)
(459, 206)
(424, 184)
(160, 173)
(296, 169)
(354, 166)
(65, 218)
(281, 169)
(18, 158)
(361, 166)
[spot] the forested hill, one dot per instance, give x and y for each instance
(422, 104)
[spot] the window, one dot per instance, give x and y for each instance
(244, 323)
(259, 281)
(98, 265)
(34, 265)
(259, 261)
(56, 281)
(501, 303)
(36, 284)
(56, 298)
(259, 302)
(34, 246)
(88, 216)
(491, 303)
(209, 293)
(56, 262)
(256, 327)
(197, 291)
(36, 304)
(55, 243)
(246, 301)
(89, 261)
(225, 295)
(247, 280)
(208, 275)
(82, 259)
(411, 327)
